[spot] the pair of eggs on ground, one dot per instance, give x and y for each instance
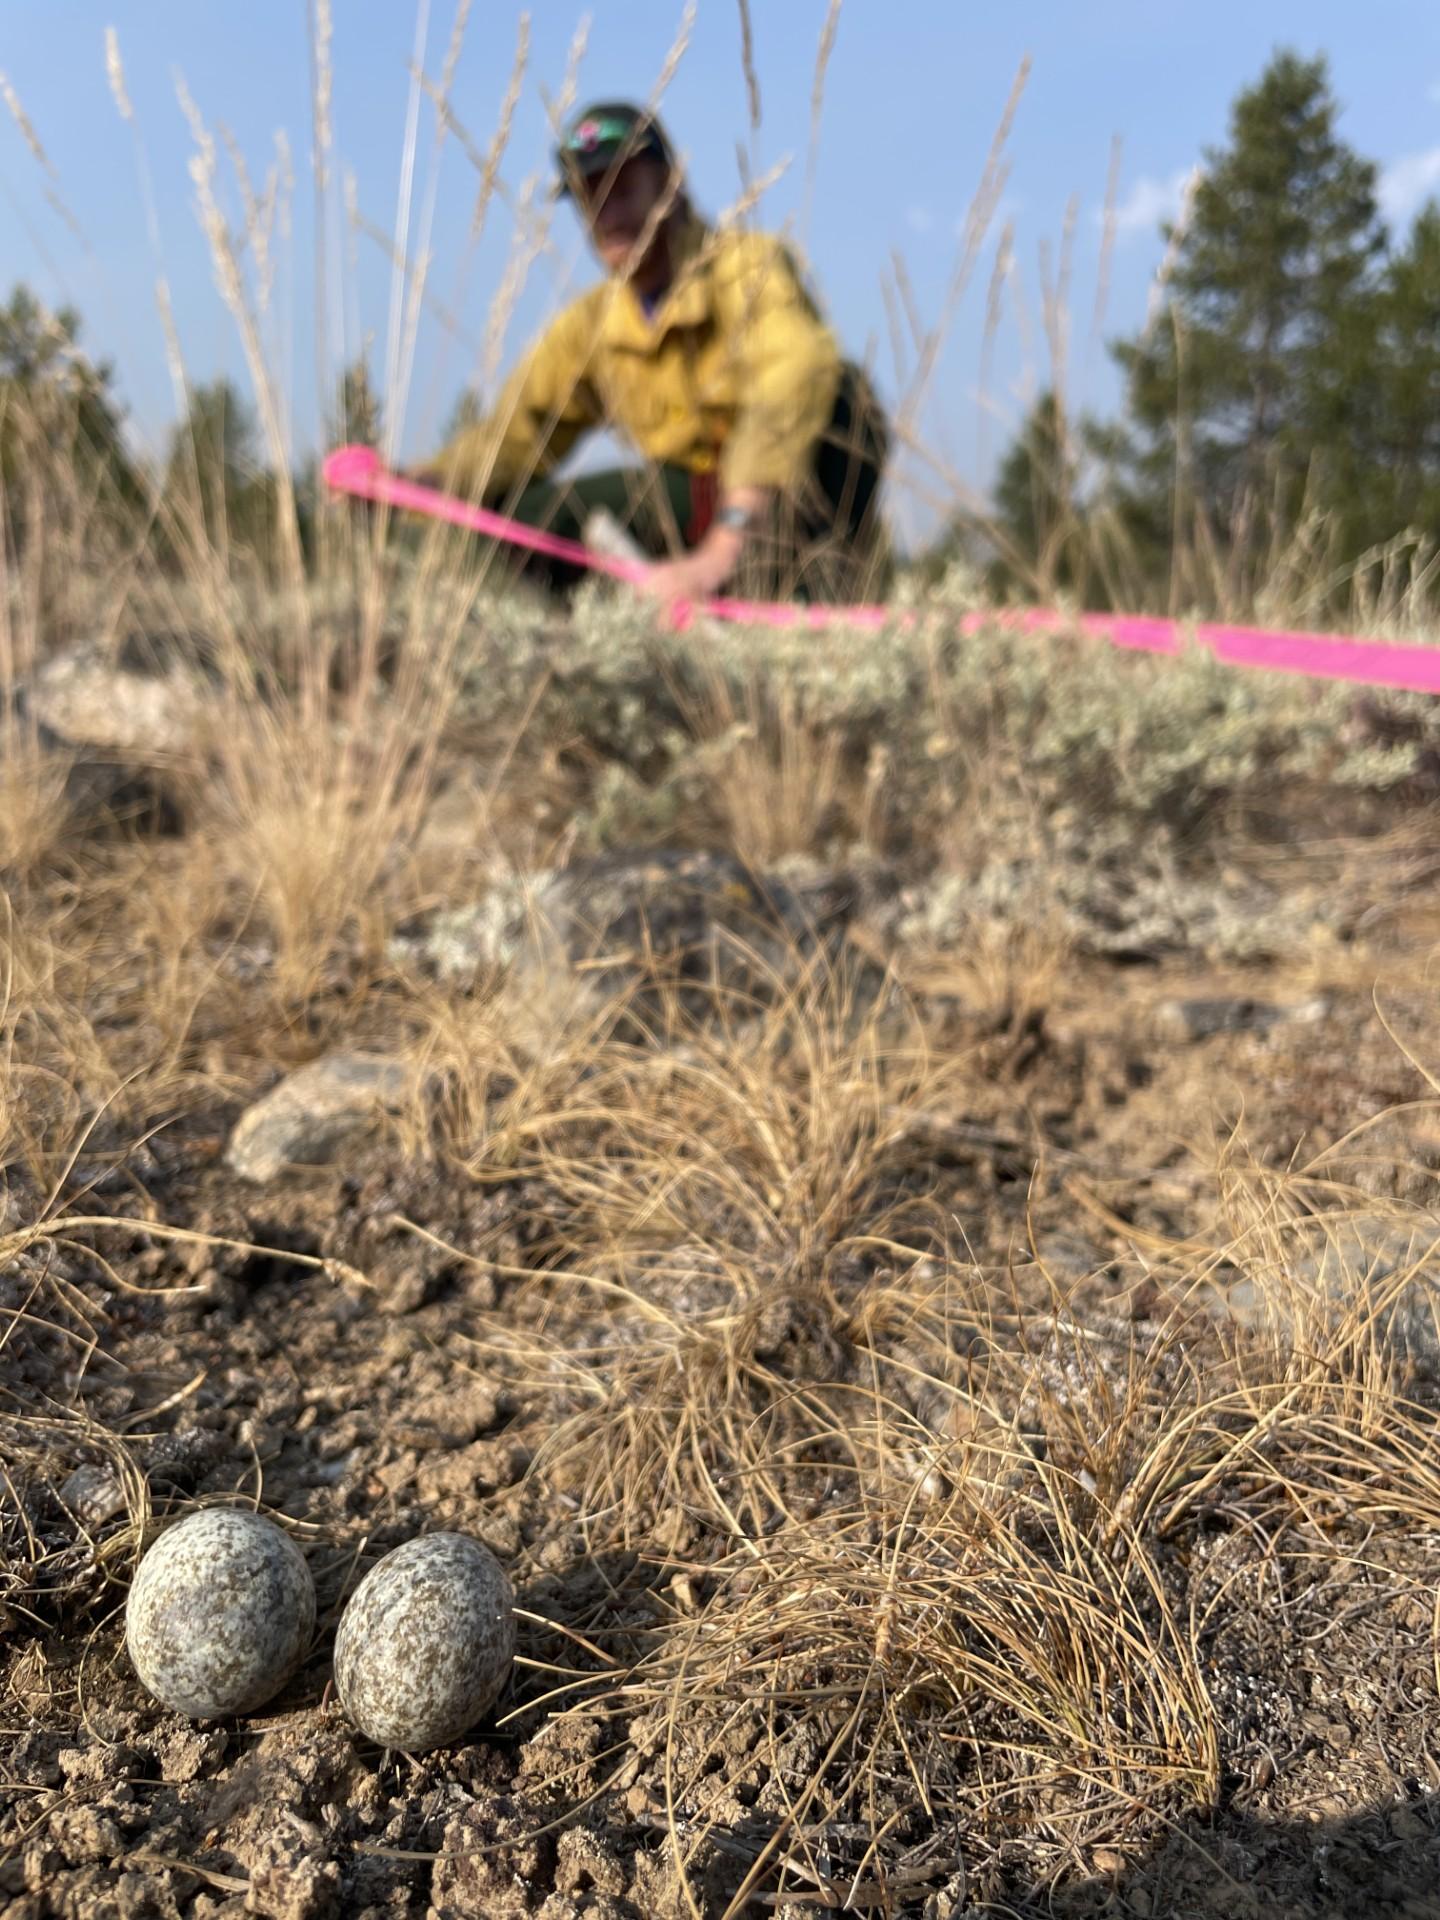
(222, 1611)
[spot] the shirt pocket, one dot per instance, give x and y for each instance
(634, 401)
(713, 374)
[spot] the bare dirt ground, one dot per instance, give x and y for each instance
(962, 1437)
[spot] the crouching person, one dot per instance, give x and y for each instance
(762, 448)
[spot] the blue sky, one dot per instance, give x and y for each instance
(914, 92)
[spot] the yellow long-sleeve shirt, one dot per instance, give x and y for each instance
(734, 372)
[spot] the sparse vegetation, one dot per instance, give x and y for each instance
(911, 1232)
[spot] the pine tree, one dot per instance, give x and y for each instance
(467, 412)
(1399, 443)
(359, 415)
(1237, 387)
(216, 484)
(62, 451)
(1038, 528)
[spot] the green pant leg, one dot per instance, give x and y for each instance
(824, 540)
(654, 507)
(849, 462)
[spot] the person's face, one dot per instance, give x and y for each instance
(619, 206)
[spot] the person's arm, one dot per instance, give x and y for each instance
(696, 575)
(788, 370)
(546, 406)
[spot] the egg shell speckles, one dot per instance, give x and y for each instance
(426, 1643)
(221, 1613)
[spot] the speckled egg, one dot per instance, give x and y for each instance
(426, 1643)
(221, 1613)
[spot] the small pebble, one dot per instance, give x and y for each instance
(93, 1495)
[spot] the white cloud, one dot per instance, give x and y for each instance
(1406, 182)
(1147, 203)
(919, 219)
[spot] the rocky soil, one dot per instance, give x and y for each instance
(956, 1409)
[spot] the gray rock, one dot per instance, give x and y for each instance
(180, 1461)
(93, 1494)
(97, 789)
(121, 725)
(1378, 1265)
(316, 1114)
(600, 927)
(1188, 1021)
(126, 706)
(106, 794)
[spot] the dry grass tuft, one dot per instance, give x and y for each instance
(922, 1529)
(33, 809)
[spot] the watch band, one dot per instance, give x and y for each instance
(734, 517)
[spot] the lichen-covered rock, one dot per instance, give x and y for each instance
(1105, 895)
(640, 922)
(1188, 1021)
(316, 1113)
(220, 1615)
(142, 703)
(94, 787)
(426, 1642)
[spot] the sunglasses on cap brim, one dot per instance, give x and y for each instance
(587, 156)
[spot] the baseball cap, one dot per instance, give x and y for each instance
(599, 135)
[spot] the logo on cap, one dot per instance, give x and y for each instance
(587, 136)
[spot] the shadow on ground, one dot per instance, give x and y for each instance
(1383, 1862)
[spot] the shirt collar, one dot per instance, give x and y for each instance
(687, 304)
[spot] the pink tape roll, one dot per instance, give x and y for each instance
(1319, 656)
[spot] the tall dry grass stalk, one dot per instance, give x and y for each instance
(1109, 233)
(994, 311)
(242, 303)
(486, 164)
(978, 219)
(823, 52)
(747, 63)
(406, 289)
(25, 126)
(174, 359)
(320, 40)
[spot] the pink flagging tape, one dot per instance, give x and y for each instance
(1318, 656)
(358, 470)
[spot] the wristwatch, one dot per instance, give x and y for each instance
(736, 518)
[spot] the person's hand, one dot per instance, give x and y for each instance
(695, 576)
